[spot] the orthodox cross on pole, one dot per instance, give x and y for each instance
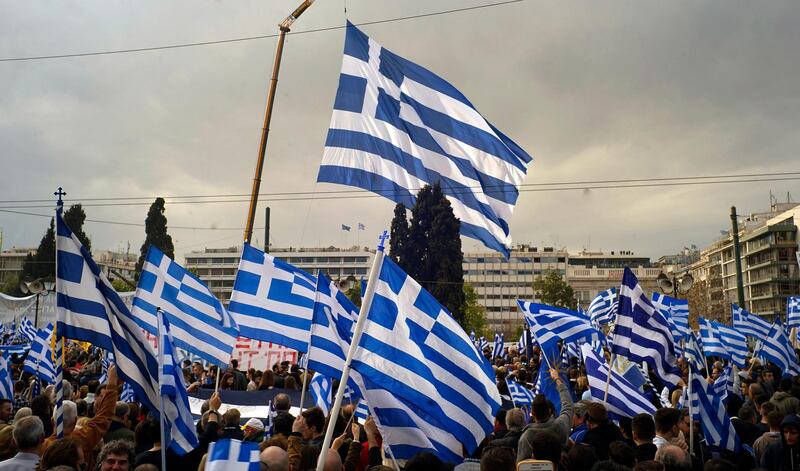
(60, 193)
(383, 238)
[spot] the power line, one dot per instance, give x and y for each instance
(251, 38)
(571, 185)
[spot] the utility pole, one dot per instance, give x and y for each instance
(737, 254)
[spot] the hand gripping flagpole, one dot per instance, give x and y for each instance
(372, 281)
(161, 421)
(59, 360)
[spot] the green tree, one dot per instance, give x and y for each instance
(155, 228)
(43, 264)
(11, 286)
(433, 252)
(120, 286)
(398, 239)
(553, 290)
(354, 295)
(474, 313)
(74, 218)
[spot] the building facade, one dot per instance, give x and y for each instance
(217, 267)
(117, 265)
(11, 262)
(589, 273)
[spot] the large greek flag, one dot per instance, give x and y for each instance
(675, 310)
(413, 350)
(603, 307)
(90, 310)
(272, 301)
(26, 331)
(520, 395)
(397, 127)
(735, 343)
(641, 333)
(179, 425)
(712, 340)
(549, 324)
(624, 399)
(233, 455)
(777, 349)
(751, 325)
(199, 322)
(39, 361)
(716, 423)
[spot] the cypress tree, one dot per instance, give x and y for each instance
(398, 240)
(43, 264)
(74, 218)
(419, 237)
(155, 228)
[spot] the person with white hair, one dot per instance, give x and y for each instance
(28, 435)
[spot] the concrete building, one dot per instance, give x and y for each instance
(499, 282)
(117, 264)
(11, 262)
(588, 273)
(768, 243)
(217, 267)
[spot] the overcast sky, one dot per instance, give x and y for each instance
(592, 90)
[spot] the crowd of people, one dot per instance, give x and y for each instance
(100, 432)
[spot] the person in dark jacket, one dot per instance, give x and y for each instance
(601, 433)
(230, 425)
(784, 455)
(515, 421)
(644, 430)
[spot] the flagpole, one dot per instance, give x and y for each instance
(308, 351)
(691, 417)
(608, 379)
(160, 315)
(59, 386)
(372, 281)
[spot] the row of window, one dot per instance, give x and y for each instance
(323, 260)
(213, 261)
(515, 259)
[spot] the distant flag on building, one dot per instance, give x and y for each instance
(397, 127)
(792, 312)
(345, 228)
(233, 455)
(361, 227)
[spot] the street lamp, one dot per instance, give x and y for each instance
(674, 284)
(39, 287)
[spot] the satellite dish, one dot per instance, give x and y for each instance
(23, 286)
(36, 286)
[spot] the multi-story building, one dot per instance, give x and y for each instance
(499, 282)
(768, 242)
(11, 262)
(217, 267)
(588, 273)
(117, 265)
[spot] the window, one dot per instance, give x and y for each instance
(361, 271)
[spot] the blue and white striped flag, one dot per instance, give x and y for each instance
(723, 386)
(777, 349)
(520, 395)
(362, 410)
(397, 127)
(712, 341)
(792, 312)
(178, 422)
(751, 325)
(549, 324)
(107, 360)
(272, 301)
(714, 420)
(6, 380)
(641, 333)
(269, 426)
(497, 351)
(26, 331)
(483, 344)
(320, 387)
(694, 352)
(127, 394)
(199, 322)
(90, 310)
(735, 343)
(624, 399)
(233, 455)
(39, 361)
(676, 311)
(603, 308)
(414, 350)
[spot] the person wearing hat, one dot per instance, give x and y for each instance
(254, 430)
(601, 433)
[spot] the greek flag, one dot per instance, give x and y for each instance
(717, 427)
(751, 325)
(777, 349)
(26, 331)
(603, 307)
(520, 395)
(642, 334)
(178, 422)
(397, 127)
(792, 312)
(320, 387)
(108, 359)
(723, 386)
(199, 322)
(497, 352)
(127, 394)
(39, 361)
(6, 380)
(735, 343)
(233, 455)
(269, 427)
(345, 228)
(412, 350)
(272, 301)
(483, 344)
(362, 410)
(676, 311)
(712, 341)
(694, 352)
(624, 399)
(550, 324)
(90, 310)
(19, 349)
